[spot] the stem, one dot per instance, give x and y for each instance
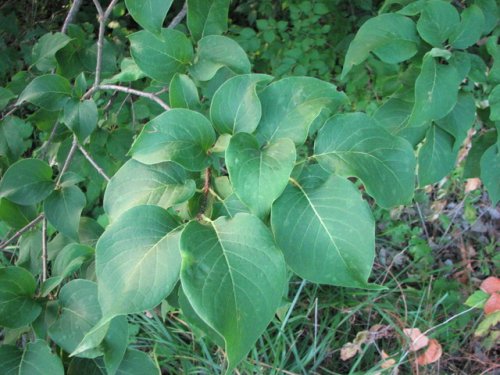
(179, 17)
(128, 90)
(94, 164)
(71, 15)
(71, 152)
(44, 250)
(21, 231)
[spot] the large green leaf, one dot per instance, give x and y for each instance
(81, 117)
(470, 29)
(234, 277)
(150, 14)
(391, 37)
(183, 93)
(436, 90)
(63, 209)
(14, 215)
(44, 51)
(354, 145)
(290, 105)
(325, 229)
(437, 22)
(50, 92)
(436, 157)
(207, 17)
(39, 360)
(5, 96)
(490, 12)
(480, 143)
(27, 182)
(490, 172)
(164, 184)
(258, 175)
(137, 362)
(70, 258)
(179, 135)
(137, 261)
(494, 100)
(161, 56)
(10, 358)
(17, 289)
(215, 52)
(235, 106)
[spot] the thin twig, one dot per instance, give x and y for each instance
(21, 231)
(94, 164)
(71, 15)
(103, 17)
(11, 111)
(128, 90)
(44, 250)
(179, 17)
(65, 166)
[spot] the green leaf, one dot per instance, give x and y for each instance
(259, 176)
(50, 92)
(164, 184)
(80, 117)
(477, 299)
(194, 319)
(5, 97)
(470, 29)
(494, 100)
(436, 157)
(130, 72)
(207, 17)
(391, 37)
(183, 93)
(27, 182)
(14, 137)
(325, 229)
(459, 121)
(354, 145)
(150, 14)
(490, 12)
(63, 209)
(17, 289)
(480, 143)
(179, 135)
(234, 277)
(490, 172)
(10, 358)
(290, 105)
(437, 22)
(137, 261)
(161, 56)
(436, 91)
(215, 52)
(79, 312)
(136, 362)
(235, 106)
(39, 360)
(44, 51)
(16, 216)
(71, 258)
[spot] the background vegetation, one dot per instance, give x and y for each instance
(431, 255)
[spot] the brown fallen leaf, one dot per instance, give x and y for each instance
(418, 340)
(491, 285)
(388, 362)
(431, 354)
(472, 184)
(492, 304)
(349, 350)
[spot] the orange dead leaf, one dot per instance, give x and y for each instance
(348, 351)
(418, 340)
(431, 354)
(388, 362)
(472, 184)
(492, 304)
(491, 285)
